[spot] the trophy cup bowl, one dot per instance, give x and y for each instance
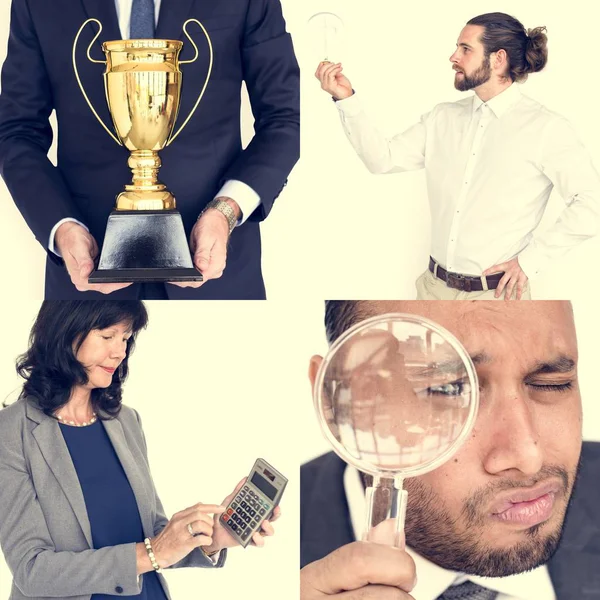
(143, 89)
(145, 239)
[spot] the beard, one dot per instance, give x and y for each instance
(480, 76)
(457, 544)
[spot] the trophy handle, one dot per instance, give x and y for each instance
(99, 62)
(185, 62)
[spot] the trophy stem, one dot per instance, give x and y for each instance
(145, 192)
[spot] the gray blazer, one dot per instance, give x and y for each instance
(45, 532)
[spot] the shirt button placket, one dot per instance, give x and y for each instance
(470, 167)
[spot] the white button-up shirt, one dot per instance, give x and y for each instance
(433, 580)
(490, 169)
(247, 199)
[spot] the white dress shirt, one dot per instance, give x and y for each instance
(433, 580)
(490, 168)
(247, 199)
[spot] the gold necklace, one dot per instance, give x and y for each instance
(84, 424)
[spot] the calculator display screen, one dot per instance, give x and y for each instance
(264, 486)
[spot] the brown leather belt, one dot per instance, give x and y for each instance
(464, 283)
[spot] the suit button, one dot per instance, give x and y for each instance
(119, 589)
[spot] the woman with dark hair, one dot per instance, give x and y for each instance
(80, 517)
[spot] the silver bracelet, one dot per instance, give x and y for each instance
(151, 556)
(224, 208)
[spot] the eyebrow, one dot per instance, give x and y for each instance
(453, 366)
(562, 364)
(464, 45)
(114, 329)
(481, 358)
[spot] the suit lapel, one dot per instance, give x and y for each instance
(106, 13)
(91, 74)
(575, 568)
(141, 491)
(327, 511)
(171, 18)
(54, 450)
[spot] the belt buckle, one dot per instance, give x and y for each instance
(456, 281)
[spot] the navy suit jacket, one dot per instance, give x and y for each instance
(574, 569)
(250, 44)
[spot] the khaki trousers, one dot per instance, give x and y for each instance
(432, 288)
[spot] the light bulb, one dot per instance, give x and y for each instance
(325, 30)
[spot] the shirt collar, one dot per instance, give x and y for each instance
(501, 103)
(433, 580)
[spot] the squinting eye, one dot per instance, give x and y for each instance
(107, 338)
(559, 387)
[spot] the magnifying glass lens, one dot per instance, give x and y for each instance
(396, 396)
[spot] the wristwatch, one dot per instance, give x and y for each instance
(224, 208)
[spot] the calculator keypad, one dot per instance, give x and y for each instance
(245, 512)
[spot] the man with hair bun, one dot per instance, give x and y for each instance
(491, 162)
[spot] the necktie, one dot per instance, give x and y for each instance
(141, 25)
(468, 591)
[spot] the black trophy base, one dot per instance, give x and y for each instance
(145, 246)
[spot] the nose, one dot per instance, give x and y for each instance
(454, 57)
(119, 350)
(511, 431)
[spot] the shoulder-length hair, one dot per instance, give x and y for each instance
(50, 366)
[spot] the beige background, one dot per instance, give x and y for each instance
(285, 267)
(214, 393)
(338, 231)
(372, 231)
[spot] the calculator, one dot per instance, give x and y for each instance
(254, 502)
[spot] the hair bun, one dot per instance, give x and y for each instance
(536, 54)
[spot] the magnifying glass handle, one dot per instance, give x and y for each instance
(386, 512)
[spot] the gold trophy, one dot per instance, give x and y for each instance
(145, 239)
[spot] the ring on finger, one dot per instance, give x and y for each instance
(191, 530)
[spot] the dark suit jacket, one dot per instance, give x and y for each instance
(250, 44)
(574, 569)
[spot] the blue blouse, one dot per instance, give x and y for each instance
(110, 502)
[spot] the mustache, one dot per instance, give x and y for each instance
(474, 508)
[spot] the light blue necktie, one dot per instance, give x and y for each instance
(142, 19)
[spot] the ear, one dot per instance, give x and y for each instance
(500, 60)
(313, 368)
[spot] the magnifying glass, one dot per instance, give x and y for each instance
(325, 30)
(396, 396)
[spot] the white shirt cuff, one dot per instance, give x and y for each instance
(349, 107)
(247, 199)
(51, 246)
(214, 558)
